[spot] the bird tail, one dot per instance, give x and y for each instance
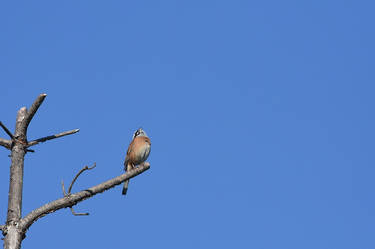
(126, 183)
(125, 188)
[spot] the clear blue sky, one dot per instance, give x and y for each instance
(261, 116)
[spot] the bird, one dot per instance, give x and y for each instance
(138, 152)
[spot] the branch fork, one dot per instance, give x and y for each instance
(71, 186)
(70, 200)
(23, 125)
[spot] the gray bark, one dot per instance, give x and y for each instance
(5, 143)
(13, 235)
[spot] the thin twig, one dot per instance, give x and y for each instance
(80, 172)
(5, 143)
(78, 214)
(73, 199)
(63, 188)
(71, 186)
(6, 130)
(43, 139)
(71, 208)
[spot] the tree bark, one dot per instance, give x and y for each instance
(73, 199)
(13, 234)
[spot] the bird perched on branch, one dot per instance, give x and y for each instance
(137, 153)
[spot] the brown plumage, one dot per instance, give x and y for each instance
(137, 153)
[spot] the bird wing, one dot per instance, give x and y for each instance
(127, 155)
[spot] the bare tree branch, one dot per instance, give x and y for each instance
(76, 177)
(6, 130)
(71, 186)
(5, 143)
(43, 139)
(14, 236)
(63, 188)
(78, 214)
(34, 107)
(73, 199)
(2, 227)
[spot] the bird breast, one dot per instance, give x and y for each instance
(142, 153)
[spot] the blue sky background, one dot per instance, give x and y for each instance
(261, 116)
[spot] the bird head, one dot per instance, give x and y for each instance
(139, 133)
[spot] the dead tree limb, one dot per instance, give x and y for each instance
(33, 108)
(12, 231)
(5, 143)
(78, 174)
(43, 139)
(7, 131)
(71, 186)
(73, 199)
